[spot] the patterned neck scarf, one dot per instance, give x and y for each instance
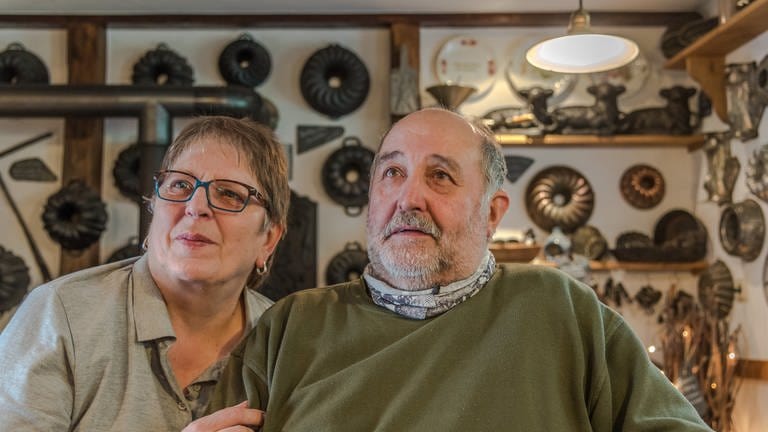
(430, 302)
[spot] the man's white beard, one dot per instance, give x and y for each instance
(409, 262)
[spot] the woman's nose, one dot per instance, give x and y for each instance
(198, 203)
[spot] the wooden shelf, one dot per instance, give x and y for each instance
(704, 59)
(753, 369)
(693, 267)
(692, 142)
(632, 266)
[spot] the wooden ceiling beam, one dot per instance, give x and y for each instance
(350, 20)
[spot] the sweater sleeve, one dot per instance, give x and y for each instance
(240, 380)
(36, 364)
(643, 399)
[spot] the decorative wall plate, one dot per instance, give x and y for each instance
(522, 75)
(467, 61)
(632, 76)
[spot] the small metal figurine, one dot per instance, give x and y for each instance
(674, 118)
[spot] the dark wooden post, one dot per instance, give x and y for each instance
(84, 137)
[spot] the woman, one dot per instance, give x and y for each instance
(139, 345)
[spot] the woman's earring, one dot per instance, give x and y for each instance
(145, 244)
(261, 270)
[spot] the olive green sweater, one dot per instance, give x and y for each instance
(532, 351)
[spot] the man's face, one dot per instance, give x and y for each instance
(427, 223)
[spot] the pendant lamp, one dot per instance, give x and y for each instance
(581, 50)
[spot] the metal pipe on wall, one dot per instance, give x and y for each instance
(154, 106)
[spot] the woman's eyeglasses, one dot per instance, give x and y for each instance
(226, 195)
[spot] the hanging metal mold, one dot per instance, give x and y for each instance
(19, 66)
(757, 173)
(742, 229)
(559, 196)
(269, 114)
(334, 81)
(717, 290)
(635, 246)
(647, 298)
(516, 166)
(310, 137)
(642, 186)
(126, 172)
(75, 216)
(346, 265)
(681, 236)
(346, 174)
(162, 66)
(678, 237)
(723, 169)
(245, 62)
(14, 279)
(294, 267)
(588, 241)
(765, 278)
(403, 84)
(32, 169)
(744, 99)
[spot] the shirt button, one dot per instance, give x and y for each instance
(181, 406)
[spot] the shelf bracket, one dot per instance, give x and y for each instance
(709, 72)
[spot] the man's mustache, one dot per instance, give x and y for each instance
(411, 221)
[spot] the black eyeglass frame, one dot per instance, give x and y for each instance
(252, 191)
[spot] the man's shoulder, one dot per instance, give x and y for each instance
(324, 294)
(542, 282)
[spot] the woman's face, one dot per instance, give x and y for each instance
(190, 242)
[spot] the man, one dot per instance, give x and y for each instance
(435, 336)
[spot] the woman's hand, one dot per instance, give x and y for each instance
(238, 418)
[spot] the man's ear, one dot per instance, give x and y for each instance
(499, 203)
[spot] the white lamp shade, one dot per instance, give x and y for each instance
(582, 53)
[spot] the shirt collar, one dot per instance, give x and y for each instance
(149, 311)
(151, 314)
